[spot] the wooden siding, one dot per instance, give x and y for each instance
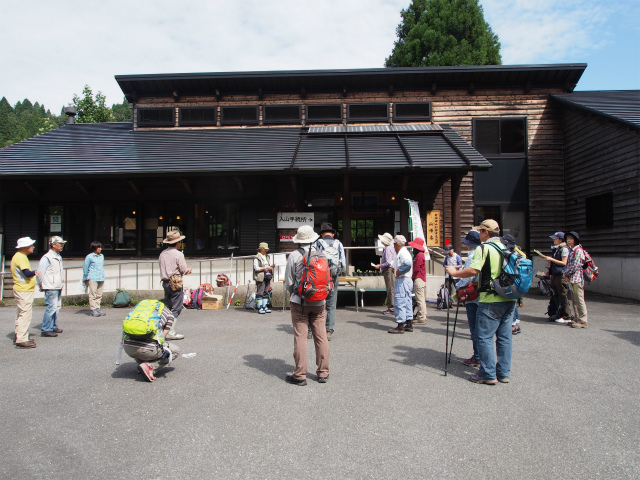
(458, 108)
(601, 157)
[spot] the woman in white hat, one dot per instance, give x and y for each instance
(24, 284)
(262, 274)
(388, 256)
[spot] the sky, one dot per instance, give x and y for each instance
(50, 50)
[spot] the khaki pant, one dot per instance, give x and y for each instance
(95, 294)
(579, 305)
(314, 318)
(389, 283)
(420, 291)
(23, 316)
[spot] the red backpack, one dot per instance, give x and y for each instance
(316, 283)
(589, 268)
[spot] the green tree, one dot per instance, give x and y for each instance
(91, 110)
(122, 112)
(444, 32)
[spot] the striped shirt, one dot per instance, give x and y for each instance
(166, 323)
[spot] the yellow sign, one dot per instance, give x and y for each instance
(434, 228)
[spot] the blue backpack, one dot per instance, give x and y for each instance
(516, 274)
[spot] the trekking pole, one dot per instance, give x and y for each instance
(453, 334)
(446, 344)
(234, 292)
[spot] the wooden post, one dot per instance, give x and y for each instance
(456, 181)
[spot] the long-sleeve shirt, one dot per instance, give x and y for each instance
(293, 276)
(93, 268)
(172, 263)
(388, 256)
(573, 270)
(419, 267)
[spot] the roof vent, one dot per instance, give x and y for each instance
(71, 112)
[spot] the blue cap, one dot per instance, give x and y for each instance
(559, 235)
(472, 239)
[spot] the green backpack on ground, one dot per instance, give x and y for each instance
(143, 321)
(121, 298)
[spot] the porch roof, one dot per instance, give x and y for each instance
(116, 149)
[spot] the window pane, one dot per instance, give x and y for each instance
(324, 113)
(487, 136)
(103, 226)
(282, 114)
(153, 227)
(599, 211)
(512, 136)
(239, 115)
(155, 117)
(198, 116)
(125, 235)
(412, 111)
(372, 111)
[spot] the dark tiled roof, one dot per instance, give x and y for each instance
(114, 148)
(620, 105)
(565, 76)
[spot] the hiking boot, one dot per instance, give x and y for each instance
(503, 379)
(174, 336)
(102, 314)
(424, 320)
(408, 326)
(387, 312)
(57, 330)
(94, 313)
(27, 344)
(578, 325)
(515, 329)
(323, 379)
(475, 378)
(147, 370)
(471, 362)
(48, 334)
(329, 335)
(399, 329)
(293, 381)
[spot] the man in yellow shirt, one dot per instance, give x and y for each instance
(24, 284)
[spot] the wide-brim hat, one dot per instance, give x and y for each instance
(305, 235)
(400, 240)
(264, 245)
(327, 227)
(472, 239)
(575, 235)
(25, 242)
(173, 236)
(489, 225)
(418, 244)
(386, 239)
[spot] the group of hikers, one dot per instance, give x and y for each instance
(311, 278)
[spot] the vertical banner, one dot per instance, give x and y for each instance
(415, 225)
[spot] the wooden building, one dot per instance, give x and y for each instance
(221, 155)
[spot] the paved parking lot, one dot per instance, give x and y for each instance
(570, 411)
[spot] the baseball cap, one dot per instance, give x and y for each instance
(489, 225)
(56, 239)
(559, 235)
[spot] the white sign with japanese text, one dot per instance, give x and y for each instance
(294, 219)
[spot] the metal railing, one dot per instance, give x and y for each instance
(135, 274)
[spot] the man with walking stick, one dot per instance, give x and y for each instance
(494, 312)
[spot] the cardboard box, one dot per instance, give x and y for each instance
(212, 302)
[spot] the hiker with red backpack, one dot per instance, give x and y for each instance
(308, 280)
(573, 273)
